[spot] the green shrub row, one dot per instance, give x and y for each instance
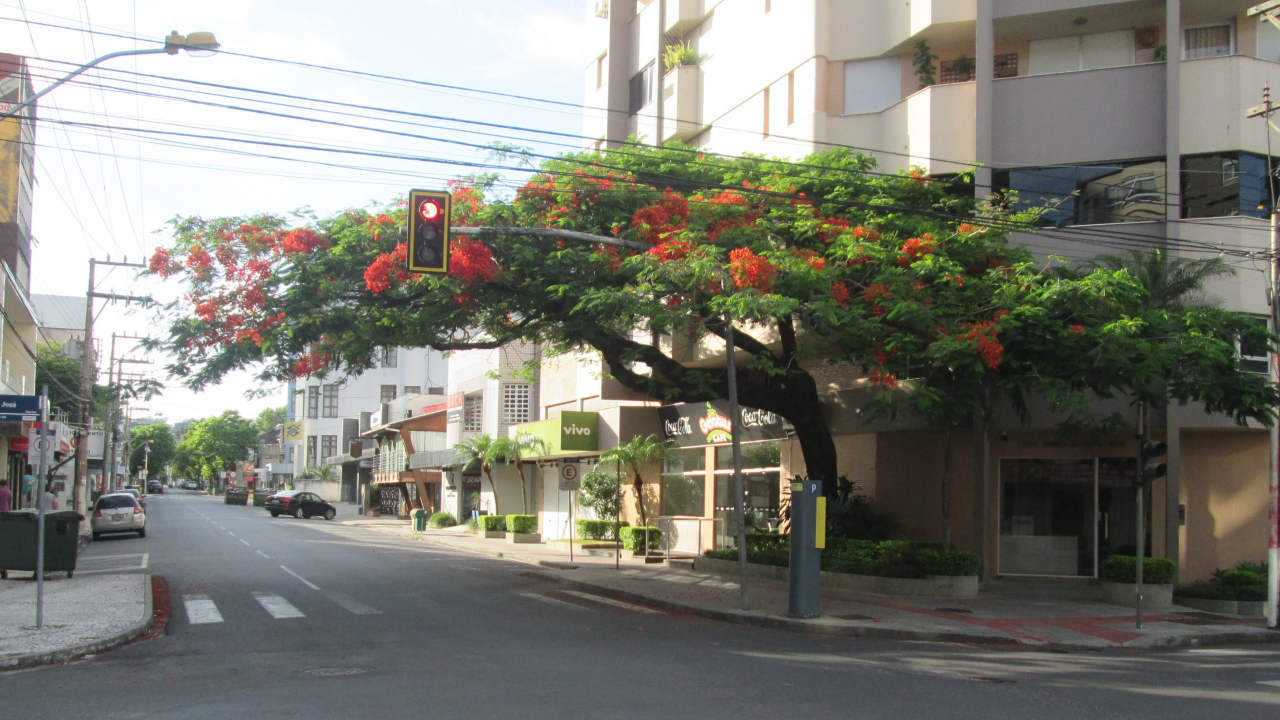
(522, 523)
(596, 529)
(1246, 581)
(888, 558)
(633, 538)
(442, 520)
(1124, 569)
(493, 522)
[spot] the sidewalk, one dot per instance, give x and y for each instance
(1016, 614)
(82, 616)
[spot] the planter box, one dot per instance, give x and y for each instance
(1243, 608)
(1154, 597)
(497, 534)
(524, 537)
(965, 586)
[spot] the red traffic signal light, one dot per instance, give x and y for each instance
(429, 212)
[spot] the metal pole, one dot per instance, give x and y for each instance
(1273, 547)
(1140, 530)
(572, 495)
(77, 71)
(735, 419)
(86, 395)
(43, 447)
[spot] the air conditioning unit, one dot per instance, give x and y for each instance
(602, 9)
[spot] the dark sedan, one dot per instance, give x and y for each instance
(300, 504)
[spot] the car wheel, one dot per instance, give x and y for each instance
(329, 514)
(297, 513)
(275, 514)
(97, 536)
(142, 533)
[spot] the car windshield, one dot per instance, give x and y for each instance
(112, 502)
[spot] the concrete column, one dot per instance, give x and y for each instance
(1173, 188)
(985, 49)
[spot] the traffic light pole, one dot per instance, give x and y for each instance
(1273, 547)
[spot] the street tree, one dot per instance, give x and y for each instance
(635, 456)
(819, 261)
(61, 374)
(269, 419)
(214, 445)
(151, 445)
(514, 451)
(484, 451)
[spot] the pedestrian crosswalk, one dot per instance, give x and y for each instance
(201, 609)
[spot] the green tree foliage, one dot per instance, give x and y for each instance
(515, 450)
(159, 439)
(635, 456)
(816, 261)
(215, 444)
(61, 374)
(485, 451)
(601, 491)
(269, 419)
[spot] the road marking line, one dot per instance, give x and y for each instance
(246, 542)
(269, 557)
(353, 605)
(615, 603)
(201, 610)
(1272, 683)
(279, 608)
(553, 601)
(305, 581)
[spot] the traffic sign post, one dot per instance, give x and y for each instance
(571, 481)
(42, 447)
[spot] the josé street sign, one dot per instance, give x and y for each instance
(19, 407)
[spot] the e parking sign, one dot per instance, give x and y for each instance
(570, 476)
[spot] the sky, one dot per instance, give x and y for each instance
(111, 172)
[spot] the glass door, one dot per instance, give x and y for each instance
(1048, 510)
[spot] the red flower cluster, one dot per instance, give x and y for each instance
(885, 380)
(387, 268)
(751, 271)
(608, 256)
(877, 290)
(657, 222)
(840, 293)
(1001, 314)
(1077, 329)
(302, 240)
(832, 228)
(311, 363)
(915, 248)
(162, 263)
(815, 261)
(674, 249)
(473, 261)
(984, 333)
(468, 201)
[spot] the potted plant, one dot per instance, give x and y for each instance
(523, 529)
(1120, 577)
(493, 526)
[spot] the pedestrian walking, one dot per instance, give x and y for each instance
(6, 497)
(49, 500)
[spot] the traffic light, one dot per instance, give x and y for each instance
(1149, 469)
(429, 212)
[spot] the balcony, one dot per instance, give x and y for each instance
(926, 129)
(680, 107)
(1216, 92)
(684, 15)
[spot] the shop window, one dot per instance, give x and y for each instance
(328, 446)
(330, 400)
(517, 403)
(473, 414)
(754, 455)
(313, 401)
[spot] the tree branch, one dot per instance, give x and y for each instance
(550, 232)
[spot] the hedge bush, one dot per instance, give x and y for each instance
(1124, 569)
(890, 558)
(949, 562)
(522, 523)
(442, 520)
(1246, 581)
(493, 522)
(633, 538)
(473, 525)
(596, 529)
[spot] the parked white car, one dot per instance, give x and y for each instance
(118, 513)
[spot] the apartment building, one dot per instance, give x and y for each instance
(1127, 117)
(330, 409)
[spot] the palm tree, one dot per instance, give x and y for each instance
(1172, 283)
(325, 473)
(634, 455)
(484, 450)
(515, 450)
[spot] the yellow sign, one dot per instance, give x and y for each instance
(293, 430)
(820, 524)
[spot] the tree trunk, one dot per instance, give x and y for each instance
(946, 490)
(524, 493)
(492, 488)
(818, 447)
(638, 485)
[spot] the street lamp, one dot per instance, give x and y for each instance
(197, 44)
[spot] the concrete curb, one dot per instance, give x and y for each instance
(55, 657)
(818, 627)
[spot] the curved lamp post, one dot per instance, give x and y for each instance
(197, 44)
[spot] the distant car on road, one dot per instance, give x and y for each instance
(300, 504)
(118, 513)
(130, 491)
(155, 487)
(190, 485)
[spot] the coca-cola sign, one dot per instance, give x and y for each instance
(711, 423)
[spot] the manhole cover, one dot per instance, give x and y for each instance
(335, 671)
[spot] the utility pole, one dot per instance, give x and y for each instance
(1273, 299)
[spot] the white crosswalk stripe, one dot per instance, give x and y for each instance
(277, 606)
(201, 610)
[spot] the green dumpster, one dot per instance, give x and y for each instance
(419, 520)
(18, 532)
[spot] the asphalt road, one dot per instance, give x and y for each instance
(283, 618)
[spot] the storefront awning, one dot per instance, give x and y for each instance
(432, 459)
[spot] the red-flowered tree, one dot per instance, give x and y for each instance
(816, 261)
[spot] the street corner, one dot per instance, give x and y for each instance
(82, 616)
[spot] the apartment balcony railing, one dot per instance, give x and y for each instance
(681, 107)
(684, 15)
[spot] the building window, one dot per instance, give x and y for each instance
(311, 451)
(388, 357)
(328, 446)
(641, 89)
(435, 391)
(388, 393)
(1225, 185)
(1208, 41)
(1124, 191)
(313, 401)
(412, 389)
(473, 414)
(517, 403)
(1007, 65)
(1230, 171)
(1254, 355)
(330, 400)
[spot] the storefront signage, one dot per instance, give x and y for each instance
(293, 430)
(578, 430)
(710, 423)
(453, 408)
